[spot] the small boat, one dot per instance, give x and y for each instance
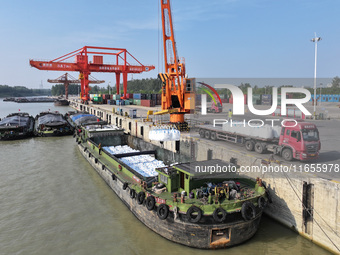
(16, 126)
(9, 99)
(52, 124)
(61, 102)
(84, 119)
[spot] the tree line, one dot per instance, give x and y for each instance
(334, 89)
(59, 89)
(149, 85)
(21, 91)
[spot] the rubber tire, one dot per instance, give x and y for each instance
(259, 148)
(262, 202)
(95, 160)
(125, 185)
(207, 134)
(201, 133)
(140, 197)
(150, 203)
(194, 209)
(163, 211)
(248, 211)
(213, 136)
(249, 145)
(103, 167)
(287, 154)
(216, 216)
(132, 193)
(113, 177)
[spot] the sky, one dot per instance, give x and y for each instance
(217, 38)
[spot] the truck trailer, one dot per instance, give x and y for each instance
(295, 140)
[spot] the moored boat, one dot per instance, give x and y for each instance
(51, 124)
(184, 205)
(16, 126)
(84, 119)
(61, 102)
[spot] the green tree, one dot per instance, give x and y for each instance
(336, 82)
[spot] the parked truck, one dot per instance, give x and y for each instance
(295, 140)
(211, 107)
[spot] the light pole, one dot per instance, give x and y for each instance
(320, 93)
(315, 40)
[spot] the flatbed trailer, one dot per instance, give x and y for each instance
(287, 145)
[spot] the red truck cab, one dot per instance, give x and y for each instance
(301, 141)
(215, 108)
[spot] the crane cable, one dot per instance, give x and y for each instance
(289, 181)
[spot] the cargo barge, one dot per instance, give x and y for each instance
(52, 124)
(196, 209)
(61, 102)
(16, 126)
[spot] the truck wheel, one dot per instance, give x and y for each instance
(207, 134)
(259, 148)
(249, 145)
(213, 136)
(287, 154)
(202, 133)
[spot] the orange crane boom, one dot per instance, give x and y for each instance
(85, 67)
(177, 90)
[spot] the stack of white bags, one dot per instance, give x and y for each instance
(143, 164)
(164, 133)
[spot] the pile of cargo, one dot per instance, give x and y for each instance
(265, 131)
(164, 133)
(147, 100)
(143, 164)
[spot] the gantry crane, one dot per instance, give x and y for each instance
(68, 79)
(178, 96)
(86, 67)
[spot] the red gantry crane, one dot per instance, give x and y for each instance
(178, 96)
(85, 67)
(68, 79)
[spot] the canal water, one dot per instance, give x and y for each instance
(53, 202)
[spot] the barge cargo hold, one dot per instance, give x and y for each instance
(16, 126)
(192, 208)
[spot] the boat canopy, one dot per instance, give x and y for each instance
(84, 118)
(52, 119)
(15, 120)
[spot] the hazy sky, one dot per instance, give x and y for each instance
(218, 38)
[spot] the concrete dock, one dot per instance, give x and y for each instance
(305, 202)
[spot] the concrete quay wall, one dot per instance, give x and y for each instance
(302, 202)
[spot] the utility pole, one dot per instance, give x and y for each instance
(315, 40)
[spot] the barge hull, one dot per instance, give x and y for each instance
(203, 236)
